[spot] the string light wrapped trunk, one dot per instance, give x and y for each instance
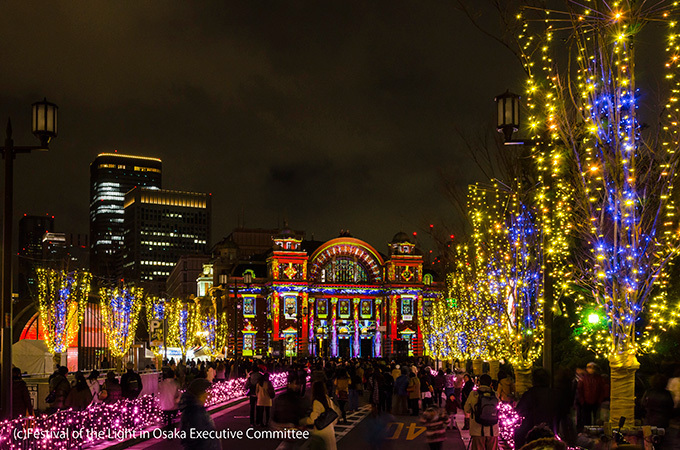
(622, 176)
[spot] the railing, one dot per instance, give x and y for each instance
(126, 419)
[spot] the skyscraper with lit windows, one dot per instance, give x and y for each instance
(112, 175)
(161, 226)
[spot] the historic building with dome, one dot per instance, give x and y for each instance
(338, 298)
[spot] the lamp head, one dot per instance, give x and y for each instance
(44, 121)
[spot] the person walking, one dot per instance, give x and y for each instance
(80, 396)
(401, 394)
(95, 387)
(341, 383)
(482, 407)
(251, 391)
(168, 396)
(506, 388)
(265, 393)
(438, 385)
(321, 403)
(590, 392)
(435, 421)
(413, 390)
(426, 388)
(111, 391)
(131, 383)
(539, 404)
(21, 399)
(59, 389)
(196, 418)
(465, 391)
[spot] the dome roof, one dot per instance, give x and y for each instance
(401, 237)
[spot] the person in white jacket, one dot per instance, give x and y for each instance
(320, 403)
(95, 387)
(168, 396)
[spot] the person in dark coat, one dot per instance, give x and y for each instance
(658, 402)
(21, 400)
(539, 404)
(112, 388)
(60, 386)
(131, 383)
(195, 416)
(80, 396)
(290, 407)
(468, 385)
(251, 391)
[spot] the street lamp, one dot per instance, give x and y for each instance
(44, 127)
(508, 116)
(508, 123)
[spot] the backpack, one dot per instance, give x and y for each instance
(486, 409)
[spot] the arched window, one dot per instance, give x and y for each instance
(345, 270)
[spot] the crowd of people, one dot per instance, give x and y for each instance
(563, 406)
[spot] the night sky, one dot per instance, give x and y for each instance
(334, 115)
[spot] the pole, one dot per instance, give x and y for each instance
(235, 319)
(6, 312)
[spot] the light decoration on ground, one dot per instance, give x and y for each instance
(120, 308)
(62, 299)
(624, 218)
(68, 429)
(508, 422)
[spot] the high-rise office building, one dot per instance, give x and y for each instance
(161, 226)
(31, 231)
(65, 251)
(112, 175)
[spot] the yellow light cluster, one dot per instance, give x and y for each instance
(61, 307)
(601, 182)
(120, 323)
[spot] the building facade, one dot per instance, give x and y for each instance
(112, 175)
(160, 226)
(339, 298)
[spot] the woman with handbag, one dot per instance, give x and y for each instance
(323, 417)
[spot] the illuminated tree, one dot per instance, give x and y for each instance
(212, 329)
(182, 324)
(120, 308)
(494, 308)
(583, 101)
(62, 298)
(155, 311)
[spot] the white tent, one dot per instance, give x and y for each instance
(32, 356)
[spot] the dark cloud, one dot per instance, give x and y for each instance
(333, 114)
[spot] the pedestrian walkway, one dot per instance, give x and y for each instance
(353, 418)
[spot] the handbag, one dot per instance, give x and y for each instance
(327, 417)
(51, 397)
(103, 394)
(426, 394)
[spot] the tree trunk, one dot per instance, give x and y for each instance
(494, 367)
(622, 394)
(477, 365)
(522, 378)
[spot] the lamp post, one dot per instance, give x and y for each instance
(508, 123)
(44, 127)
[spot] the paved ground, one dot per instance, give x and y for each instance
(364, 431)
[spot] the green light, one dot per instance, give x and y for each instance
(593, 318)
